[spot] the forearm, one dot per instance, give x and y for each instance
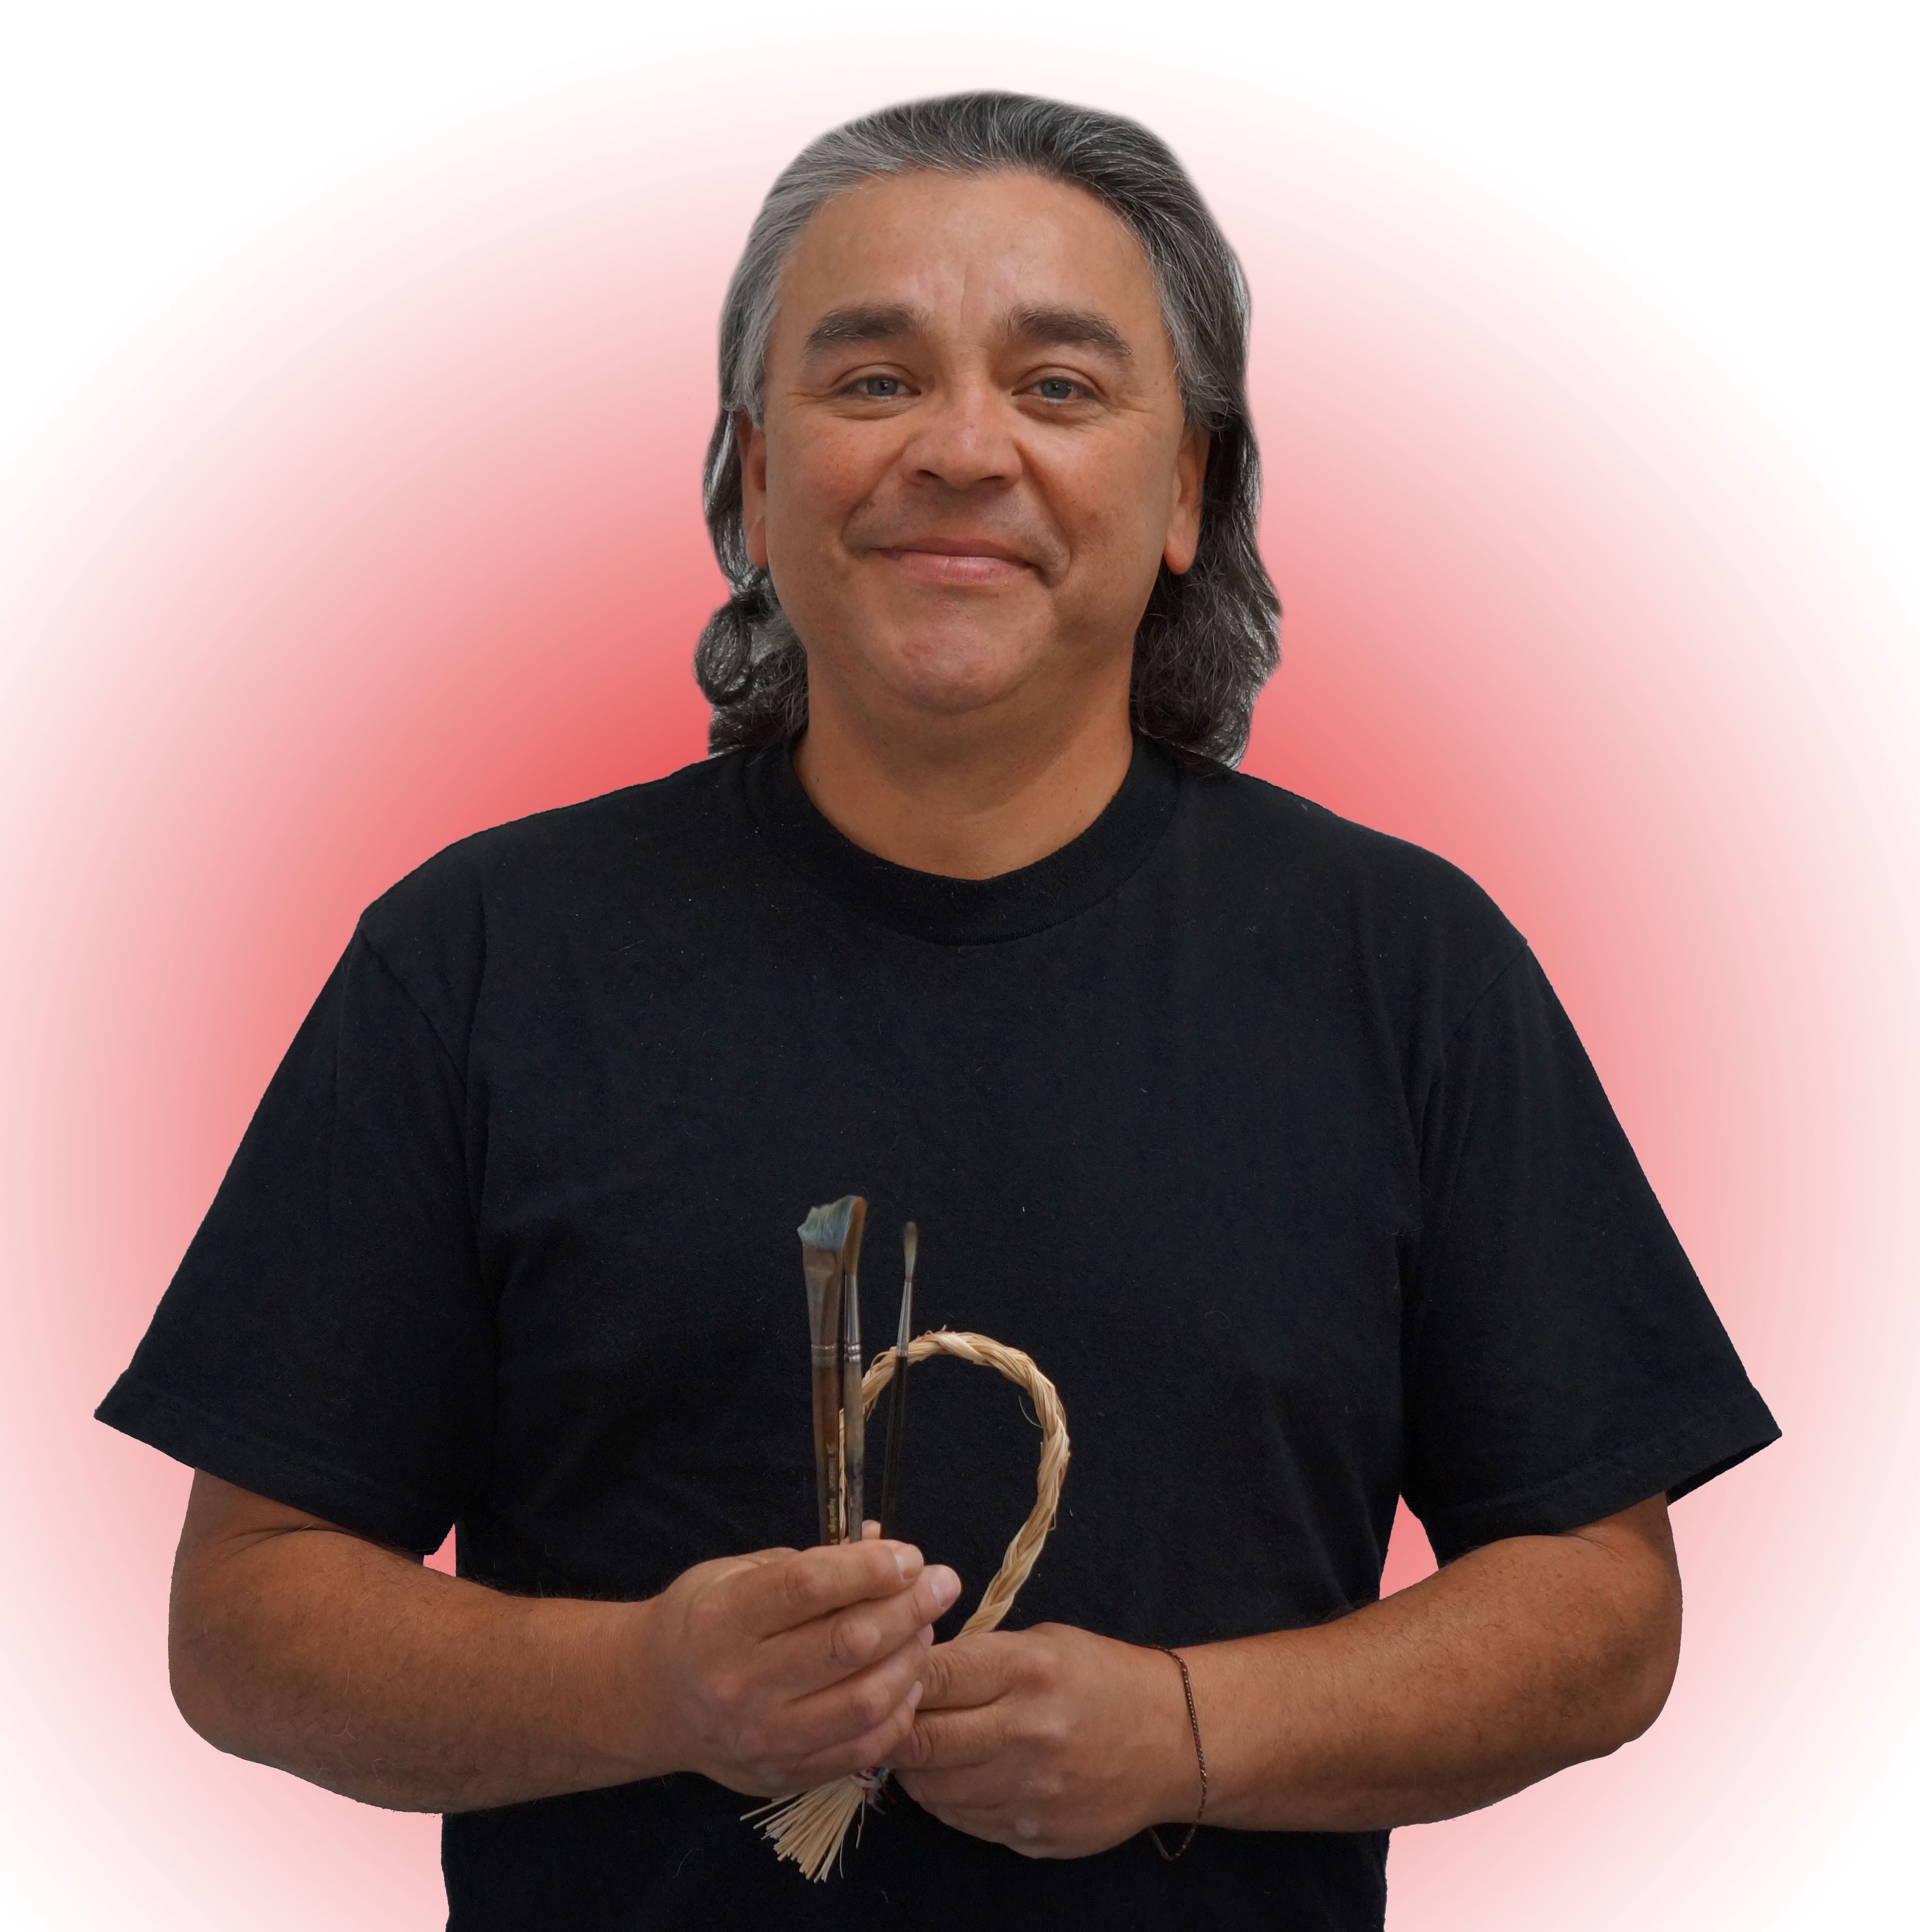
(1521, 1658)
(362, 1671)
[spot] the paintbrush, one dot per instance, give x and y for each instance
(853, 1401)
(896, 1412)
(823, 1258)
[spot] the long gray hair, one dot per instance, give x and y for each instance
(1209, 639)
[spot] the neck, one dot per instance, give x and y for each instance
(968, 797)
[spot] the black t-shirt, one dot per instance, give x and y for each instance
(1264, 1134)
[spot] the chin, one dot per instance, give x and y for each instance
(953, 689)
(953, 671)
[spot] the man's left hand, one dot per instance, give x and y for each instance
(1052, 1741)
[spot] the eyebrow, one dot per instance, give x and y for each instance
(862, 321)
(1044, 327)
(1067, 328)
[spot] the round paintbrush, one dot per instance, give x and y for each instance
(896, 1414)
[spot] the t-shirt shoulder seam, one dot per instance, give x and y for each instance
(407, 993)
(1520, 952)
(1419, 1122)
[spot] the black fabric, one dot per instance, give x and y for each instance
(1263, 1133)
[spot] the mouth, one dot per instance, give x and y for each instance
(956, 561)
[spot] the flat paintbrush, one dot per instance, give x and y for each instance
(852, 1404)
(822, 1243)
(896, 1412)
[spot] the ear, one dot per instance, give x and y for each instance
(752, 439)
(1190, 477)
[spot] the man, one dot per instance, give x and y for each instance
(1264, 1134)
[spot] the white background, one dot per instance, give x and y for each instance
(1752, 170)
(1749, 176)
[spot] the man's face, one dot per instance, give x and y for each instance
(974, 456)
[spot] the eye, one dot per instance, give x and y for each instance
(1057, 389)
(877, 388)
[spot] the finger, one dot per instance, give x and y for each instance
(986, 1815)
(835, 1719)
(862, 1753)
(869, 1529)
(833, 1647)
(775, 1597)
(976, 1792)
(969, 1670)
(946, 1741)
(1021, 1826)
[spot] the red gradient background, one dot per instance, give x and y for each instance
(397, 535)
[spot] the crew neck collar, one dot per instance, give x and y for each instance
(931, 906)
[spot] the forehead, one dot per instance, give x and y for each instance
(967, 248)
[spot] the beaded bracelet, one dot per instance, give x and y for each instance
(1199, 1751)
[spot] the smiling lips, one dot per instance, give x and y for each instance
(956, 561)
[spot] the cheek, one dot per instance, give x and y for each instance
(1115, 513)
(813, 483)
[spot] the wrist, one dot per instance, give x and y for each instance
(609, 1654)
(1176, 1793)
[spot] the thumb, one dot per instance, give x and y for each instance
(937, 1677)
(968, 1671)
(913, 1750)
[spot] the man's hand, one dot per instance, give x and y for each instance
(296, 1643)
(1525, 1656)
(785, 1669)
(1053, 1741)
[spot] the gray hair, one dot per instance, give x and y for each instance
(1209, 639)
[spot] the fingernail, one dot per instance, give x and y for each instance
(925, 1633)
(914, 1696)
(909, 1561)
(945, 1584)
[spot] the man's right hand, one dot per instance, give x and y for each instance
(297, 1643)
(782, 1670)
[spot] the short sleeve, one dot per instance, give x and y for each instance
(1562, 1361)
(327, 1341)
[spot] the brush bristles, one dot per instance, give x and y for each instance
(826, 1227)
(810, 1829)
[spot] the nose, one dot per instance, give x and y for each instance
(964, 436)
